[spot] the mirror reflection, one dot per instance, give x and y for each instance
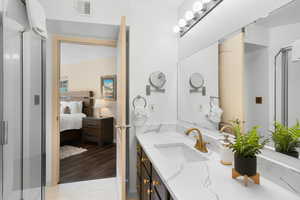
(251, 75)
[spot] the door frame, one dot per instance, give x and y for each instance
(56, 52)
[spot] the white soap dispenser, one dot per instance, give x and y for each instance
(226, 153)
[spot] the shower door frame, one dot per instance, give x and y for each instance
(21, 29)
(12, 24)
(284, 84)
(1, 100)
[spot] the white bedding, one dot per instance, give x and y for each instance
(71, 121)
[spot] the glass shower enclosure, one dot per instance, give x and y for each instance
(287, 83)
(22, 151)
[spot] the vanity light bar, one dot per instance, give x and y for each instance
(191, 18)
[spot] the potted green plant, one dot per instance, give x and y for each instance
(246, 147)
(286, 139)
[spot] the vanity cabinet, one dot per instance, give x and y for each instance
(149, 185)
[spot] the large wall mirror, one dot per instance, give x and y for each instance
(253, 75)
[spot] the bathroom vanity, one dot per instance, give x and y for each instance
(169, 167)
(149, 184)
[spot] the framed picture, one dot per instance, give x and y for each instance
(109, 87)
(63, 86)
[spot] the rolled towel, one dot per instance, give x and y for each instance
(37, 18)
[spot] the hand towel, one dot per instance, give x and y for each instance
(37, 18)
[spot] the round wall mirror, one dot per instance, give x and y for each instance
(157, 79)
(196, 80)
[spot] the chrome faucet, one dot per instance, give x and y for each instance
(200, 144)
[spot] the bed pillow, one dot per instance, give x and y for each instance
(67, 110)
(74, 106)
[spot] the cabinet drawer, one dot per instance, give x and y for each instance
(145, 184)
(146, 162)
(159, 186)
(91, 123)
(91, 131)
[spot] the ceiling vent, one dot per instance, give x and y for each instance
(83, 7)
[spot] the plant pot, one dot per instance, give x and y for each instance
(245, 166)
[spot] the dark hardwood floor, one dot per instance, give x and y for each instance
(96, 163)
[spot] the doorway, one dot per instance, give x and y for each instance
(87, 112)
(92, 104)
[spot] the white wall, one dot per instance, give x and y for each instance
(227, 17)
(255, 34)
(193, 107)
(256, 85)
(153, 46)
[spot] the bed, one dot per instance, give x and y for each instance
(80, 104)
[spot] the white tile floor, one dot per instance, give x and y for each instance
(104, 189)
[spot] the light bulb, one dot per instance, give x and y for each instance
(189, 15)
(181, 23)
(176, 29)
(198, 6)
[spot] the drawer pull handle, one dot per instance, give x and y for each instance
(144, 159)
(91, 123)
(149, 191)
(146, 181)
(155, 183)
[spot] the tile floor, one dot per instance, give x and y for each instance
(103, 189)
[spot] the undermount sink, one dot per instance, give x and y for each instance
(180, 152)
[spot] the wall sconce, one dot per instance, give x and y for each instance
(191, 18)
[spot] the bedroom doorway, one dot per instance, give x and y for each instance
(115, 188)
(87, 95)
(86, 143)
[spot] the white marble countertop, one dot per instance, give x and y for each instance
(208, 179)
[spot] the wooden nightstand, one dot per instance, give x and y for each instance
(100, 130)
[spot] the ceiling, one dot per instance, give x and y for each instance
(288, 14)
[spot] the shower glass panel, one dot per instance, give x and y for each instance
(287, 82)
(32, 117)
(21, 113)
(293, 95)
(12, 111)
